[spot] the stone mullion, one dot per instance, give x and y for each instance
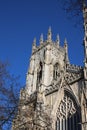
(61, 124)
(64, 124)
(58, 125)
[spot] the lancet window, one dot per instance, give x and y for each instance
(39, 73)
(68, 117)
(56, 73)
(44, 54)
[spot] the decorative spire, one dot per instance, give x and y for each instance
(58, 40)
(65, 41)
(34, 42)
(66, 46)
(66, 51)
(49, 35)
(41, 39)
(34, 45)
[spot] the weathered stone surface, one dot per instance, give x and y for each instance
(52, 82)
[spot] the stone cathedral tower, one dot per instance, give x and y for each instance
(54, 86)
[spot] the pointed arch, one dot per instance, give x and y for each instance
(71, 94)
(39, 73)
(56, 73)
(68, 113)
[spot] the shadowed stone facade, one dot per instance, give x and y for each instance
(54, 83)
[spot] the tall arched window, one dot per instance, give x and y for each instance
(68, 115)
(56, 71)
(39, 73)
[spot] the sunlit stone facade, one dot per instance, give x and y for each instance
(57, 84)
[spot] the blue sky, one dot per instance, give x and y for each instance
(22, 20)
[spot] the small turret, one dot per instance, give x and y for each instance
(66, 52)
(41, 39)
(58, 40)
(49, 35)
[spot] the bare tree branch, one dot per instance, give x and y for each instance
(9, 96)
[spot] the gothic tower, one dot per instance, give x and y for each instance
(55, 96)
(44, 59)
(54, 86)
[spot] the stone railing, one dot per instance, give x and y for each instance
(73, 68)
(52, 88)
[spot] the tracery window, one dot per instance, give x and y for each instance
(68, 117)
(56, 73)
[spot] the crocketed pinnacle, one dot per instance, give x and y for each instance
(41, 39)
(58, 40)
(49, 35)
(34, 42)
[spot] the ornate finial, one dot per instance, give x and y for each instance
(58, 40)
(49, 30)
(49, 36)
(66, 51)
(66, 46)
(41, 39)
(34, 45)
(65, 41)
(34, 42)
